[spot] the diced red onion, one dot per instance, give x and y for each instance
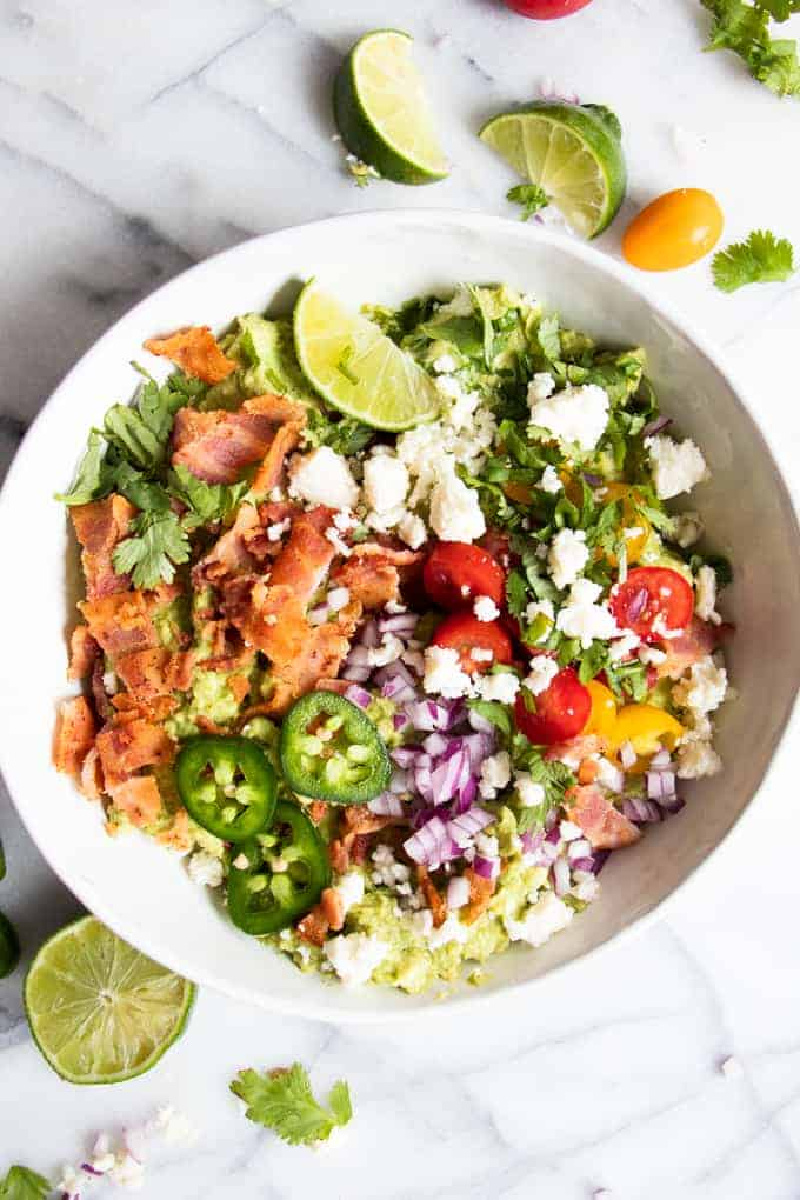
(464, 827)
(561, 878)
(636, 604)
(423, 779)
(627, 755)
(435, 743)
(583, 864)
(580, 848)
(487, 868)
(395, 670)
(661, 760)
(554, 836)
(479, 746)
(358, 695)
(449, 775)
(673, 805)
(457, 892)
(398, 690)
(642, 811)
(660, 785)
(600, 858)
(357, 665)
(369, 635)
(386, 805)
(400, 781)
(407, 756)
(431, 715)
(655, 426)
(531, 841)
(466, 796)
(425, 845)
(400, 624)
(400, 721)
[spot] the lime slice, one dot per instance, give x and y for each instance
(99, 1011)
(573, 152)
(382, 112)
(356, 368)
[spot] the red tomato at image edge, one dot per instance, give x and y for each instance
(456, 572)
(463, 632)
(546, 10)
(562, 711)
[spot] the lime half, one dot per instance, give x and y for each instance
(382, 111)
(573, 152)
(356, 368)
(99, 1011)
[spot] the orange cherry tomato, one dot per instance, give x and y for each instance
(674, 231)
(636, 528)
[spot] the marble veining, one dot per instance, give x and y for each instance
(136, 141)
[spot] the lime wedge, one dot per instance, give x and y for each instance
(356, 368)
(573, 152)
(99, 1011)
(382, 112)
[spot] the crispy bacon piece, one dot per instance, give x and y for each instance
(689, 648)
(155, 672)
(333, 908)
(480, 893)
(126, 749)
(358, 819)
(83, 653)
(74, 735)
(605, 827)
(317, 811)
(303, 563)
(91, 777)
(99, 527)
(321, 656)
(195, 350)
(313, 928)
(575, 750)
(230, 555)
(128, 708)
(338, 855)
(100, 696)
(123, 623)
(177, 836)
(139, 799)
(217, 446)
(374, 573)
(433, 897)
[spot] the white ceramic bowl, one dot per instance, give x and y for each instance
(143, 892)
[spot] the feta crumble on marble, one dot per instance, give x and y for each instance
(577, 415)
(354, 956)
(676, 466)
(485, 608)
(583, 618)
(543, 671)
(567, 556)
(547, 916)
(323, 477)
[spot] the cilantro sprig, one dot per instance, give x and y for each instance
(21, 1183)
(284, 1102)
(745, 29)
(760, 258)
(530, 197)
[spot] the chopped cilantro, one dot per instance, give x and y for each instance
(23, 1184)
(283, 1101)
(745, 29)
(92, 477)
(760, 258)
(492, 710)
(549, 339)
(158, 543)
(344, 435)
(530, 197)
(207, 502)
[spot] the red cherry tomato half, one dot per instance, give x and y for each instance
(546, 10)
(456, 572)
(562, 711)
(465, 633)
(651, 600)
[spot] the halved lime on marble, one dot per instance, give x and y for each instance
(574, 152)
(382, 111)
(356, 368)
(99, 1011)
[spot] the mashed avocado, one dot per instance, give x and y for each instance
(211, 697)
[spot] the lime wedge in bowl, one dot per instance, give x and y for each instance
(573, 152)
(99, 1011)
(382, 111)
(356, 368)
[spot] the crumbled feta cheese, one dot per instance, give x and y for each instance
(276, 532)
(624, 646)
(609, 776)
(705, 688)
(697, 757)
(487, 845)
(389, 651)
(570, 832)
(731, 1068)
(452, 930)
(584, 619)
(567, 557)
(485, 608)
(340, 546)
(530, 793)
(576, 415)
(351, 890)
(354, 956)
(688, 528)
(443, 673)
(385, 482)
(479, 654)
(586, 886)
(677, 466)
(176, 1127)
(541, 387)
(455, 514)
(323, 477)
(495, 774)
(344, 521)
(127, 1171)
(541, 608)
(542, 673)
(502, 687)
(445, 364)
(706, 596)
(204, 869)
(338, 598)
(651, 656)
(412, 531)
(549, 481)
(548, 916)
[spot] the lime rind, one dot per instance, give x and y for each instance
(382, 111)
(99, 1011)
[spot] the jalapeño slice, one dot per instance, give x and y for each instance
(330, 750)
(283, 876)
(227, 784)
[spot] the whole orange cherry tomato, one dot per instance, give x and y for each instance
(674, 231)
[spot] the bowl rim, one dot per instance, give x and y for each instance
(602, 263)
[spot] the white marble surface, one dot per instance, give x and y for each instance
(137, 139)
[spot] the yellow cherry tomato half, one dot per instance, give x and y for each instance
(646, 727)
(674, 231)
(637, 528)
(603, 714)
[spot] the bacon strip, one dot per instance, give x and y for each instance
(83, 651)
(155, 672)
(374, 573)
(99, 527)
(123, 623)
(217, 446)
(480, 894)
(139, 799)
(195, 350)
(433, 898)
(74, 735)
(682, 652)
(604, 826)
(126, 749)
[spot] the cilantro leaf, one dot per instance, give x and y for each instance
(781, 10)
(549, 339)
(140, 431)
(744, 29)
(719, 563)
(760, 258)
(92, 477)
(158, 543)
(344, 435)
(554, 777)
(23, 1184)
(530, 196)
(207, 502)
(495, 712)
(283, 1101)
